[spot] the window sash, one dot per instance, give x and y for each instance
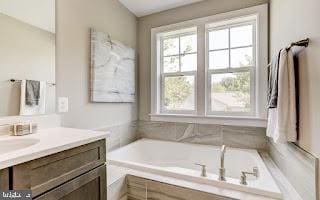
(230, 69)
(252, 111)
(162, 94)
(163, 74)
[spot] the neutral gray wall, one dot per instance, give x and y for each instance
(26, 52)
(192, 11)
(293, 20)
(74, 19)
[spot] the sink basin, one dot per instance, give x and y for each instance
(15, 144)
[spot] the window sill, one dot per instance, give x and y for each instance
(223, 120)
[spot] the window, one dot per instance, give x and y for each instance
(178, 63)
(231, 68)
(211, 69)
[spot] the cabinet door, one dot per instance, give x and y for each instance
(89, 186)
(46, 173)
(4, 179)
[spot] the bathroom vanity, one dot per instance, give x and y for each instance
(70, 169)
(4, 179)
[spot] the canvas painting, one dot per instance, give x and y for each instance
(112, 69)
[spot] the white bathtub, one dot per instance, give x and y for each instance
(177, 160)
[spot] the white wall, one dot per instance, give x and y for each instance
(26, 52)
(292, 20)
(184, 13)
(74, 18)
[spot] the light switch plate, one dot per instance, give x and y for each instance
(63, 104)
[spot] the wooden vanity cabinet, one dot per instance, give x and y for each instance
(4, 179)
(75, 174)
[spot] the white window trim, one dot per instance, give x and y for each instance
(201, 115)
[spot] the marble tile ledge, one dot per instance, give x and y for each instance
(209, 134)
(288, 191)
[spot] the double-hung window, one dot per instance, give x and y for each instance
(211, 68)
(178, 68)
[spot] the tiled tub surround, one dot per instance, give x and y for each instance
(124, 183)
(177, 160)
(120, 135)
(232, 136)
(118, 184)
(294, 163)
(298, 166)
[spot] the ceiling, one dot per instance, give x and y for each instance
(39, 13)
(145, 7)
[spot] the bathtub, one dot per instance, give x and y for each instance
(178, 160)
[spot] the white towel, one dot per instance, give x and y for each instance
(282, 120)
(39, 109)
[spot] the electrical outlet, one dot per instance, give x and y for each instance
(63, 104)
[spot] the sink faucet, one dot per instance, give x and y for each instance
(222, 170)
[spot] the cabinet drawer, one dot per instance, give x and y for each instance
(4, 179)
(90, 186)
(45, 173)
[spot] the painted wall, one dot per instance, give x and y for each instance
(26, 52)
(192, 11)
(293, 20)
(74, 19)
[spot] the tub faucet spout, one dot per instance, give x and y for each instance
(222, 170)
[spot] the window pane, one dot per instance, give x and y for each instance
(241, 57)
(241, 36)
(179, 93)
(188, 44)
(171, 64)
(189, 62)
(219, 59)
(219, 39)
(230, 92)
(171, 46)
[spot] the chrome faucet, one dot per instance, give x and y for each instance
(222, 170)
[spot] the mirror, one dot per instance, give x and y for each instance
(27, 57)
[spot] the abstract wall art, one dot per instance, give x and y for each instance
(112, 69)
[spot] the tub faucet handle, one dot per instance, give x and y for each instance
(256, 172)
(243, 178)
(203, 169)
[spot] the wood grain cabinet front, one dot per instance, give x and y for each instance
(89, 186)
(4, 179)
(141, 189)
(45, 174)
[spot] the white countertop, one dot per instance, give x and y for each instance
(51, 141)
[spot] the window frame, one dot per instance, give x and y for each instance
(201, 115)
(228, 24)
